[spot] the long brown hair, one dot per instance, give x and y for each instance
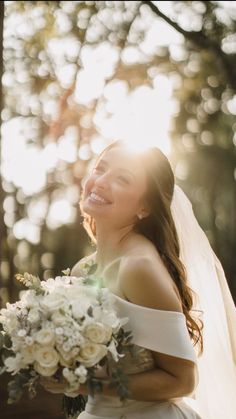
(160, 229)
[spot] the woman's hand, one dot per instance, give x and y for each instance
(61, 387)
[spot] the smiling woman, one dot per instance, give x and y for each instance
(152, 255)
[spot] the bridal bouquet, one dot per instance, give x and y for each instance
(63, 328)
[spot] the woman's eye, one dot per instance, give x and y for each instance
(124, 179)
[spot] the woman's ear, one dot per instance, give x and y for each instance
(143, 213)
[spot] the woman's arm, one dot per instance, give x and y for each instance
(151, 385)
(145, 281)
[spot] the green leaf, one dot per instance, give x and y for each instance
(7, 341)
(2, 370)
(1, 340)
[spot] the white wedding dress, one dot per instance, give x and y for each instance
(153, 330)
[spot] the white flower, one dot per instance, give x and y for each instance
(46, 356)
(75, 351)
(81, 372)
(98, 332)
(59, 331)
(21, 333)
(72, 380)
(59, 339)
(110, 319)
(67, 356)
(29, 299)
(66, 347)
(66, 362)
(58, 318)
(91, 353)
(68, 331)
(112, 349)
(45, 337)
(52, 302)
(29, 340)
(33, 315)
(14, 364)
(79, 308)
(44, 371)
(69, 375)
(28, 354)
(9, 320)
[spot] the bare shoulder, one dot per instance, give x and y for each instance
(77, 269)
(145, 281)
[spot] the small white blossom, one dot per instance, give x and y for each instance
(21, 333)
(66, 347)
(29, 340)
(82, 373)
(59, 331)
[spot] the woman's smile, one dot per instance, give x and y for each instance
(96, 198)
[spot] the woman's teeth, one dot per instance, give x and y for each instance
(98, 198)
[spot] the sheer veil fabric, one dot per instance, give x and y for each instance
(215, 396)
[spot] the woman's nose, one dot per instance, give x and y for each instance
(102, 181)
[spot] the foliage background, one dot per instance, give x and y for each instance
(46, 114)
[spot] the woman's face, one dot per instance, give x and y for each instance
(115, 189)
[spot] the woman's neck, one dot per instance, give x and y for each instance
(110, 243)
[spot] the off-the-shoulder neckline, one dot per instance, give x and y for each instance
(171, 312)
(147, 308)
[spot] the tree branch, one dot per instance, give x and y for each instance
(225, 61)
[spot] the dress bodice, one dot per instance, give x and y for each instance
(157, 330)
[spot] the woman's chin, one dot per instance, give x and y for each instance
(95, 210)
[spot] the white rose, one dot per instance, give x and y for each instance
(46, 356)
(44, 371)
(98, 332)
(45, 337)
(52, 302)
(91, 353)
(33, 315)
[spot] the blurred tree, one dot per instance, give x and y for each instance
(47, 58)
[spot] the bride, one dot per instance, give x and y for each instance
(152, 259)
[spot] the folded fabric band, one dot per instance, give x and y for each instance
(158, 330)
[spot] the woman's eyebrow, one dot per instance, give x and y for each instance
(123, 169)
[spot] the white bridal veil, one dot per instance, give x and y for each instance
(215, 396)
